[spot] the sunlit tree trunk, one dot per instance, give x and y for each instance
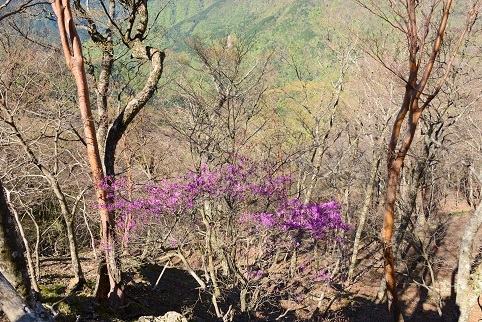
(363, 215)
(421, 62)
(469, 278)
(132, 36)
(73, 55)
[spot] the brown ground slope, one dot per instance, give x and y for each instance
(178, 291)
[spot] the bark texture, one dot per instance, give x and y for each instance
(12, 260)
(469, 278)
(72, 48)
(412, 107)
(15, 307)
(132, 33)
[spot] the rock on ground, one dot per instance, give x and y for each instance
(168, 317)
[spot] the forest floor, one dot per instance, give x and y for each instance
(419, 303)
(178, 291)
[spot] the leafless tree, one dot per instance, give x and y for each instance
(375, 110)
(23, 92)
(14, 266)
(423, 27)
(220, 108)
(10, 8)
(129, 22)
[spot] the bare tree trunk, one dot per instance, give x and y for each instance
(15, 307)
(37, 245)
(125, 117)
(469, 285)
(135, 105)
(132, 37)
(73, 55)
(398, 148)
(79, 278)
(363, 214)
(101, 91)
(206, 214)
(12, 261)
(92, 239)
(411, 199)
(470, 191)
(28, 253)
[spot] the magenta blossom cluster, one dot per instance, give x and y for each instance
(292, 215)
(257, 195)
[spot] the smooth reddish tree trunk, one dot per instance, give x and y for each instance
(73, 55)
(410, 112)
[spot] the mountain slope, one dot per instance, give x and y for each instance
(289, 23)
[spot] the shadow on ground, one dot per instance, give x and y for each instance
(362, 309)
(178, 291)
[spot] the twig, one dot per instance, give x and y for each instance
(478, 176)
(52, 307)
(162, 273)
(188, 267)
(288, 310)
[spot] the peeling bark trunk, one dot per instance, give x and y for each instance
(133, 38)
(73, 55)
(410, 111)
(394, 165)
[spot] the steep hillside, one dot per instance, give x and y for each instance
(287, 23)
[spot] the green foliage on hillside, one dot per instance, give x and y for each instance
(297, 30)
(286, 23)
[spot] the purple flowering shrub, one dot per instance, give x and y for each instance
(245, 213)
(317, 220)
